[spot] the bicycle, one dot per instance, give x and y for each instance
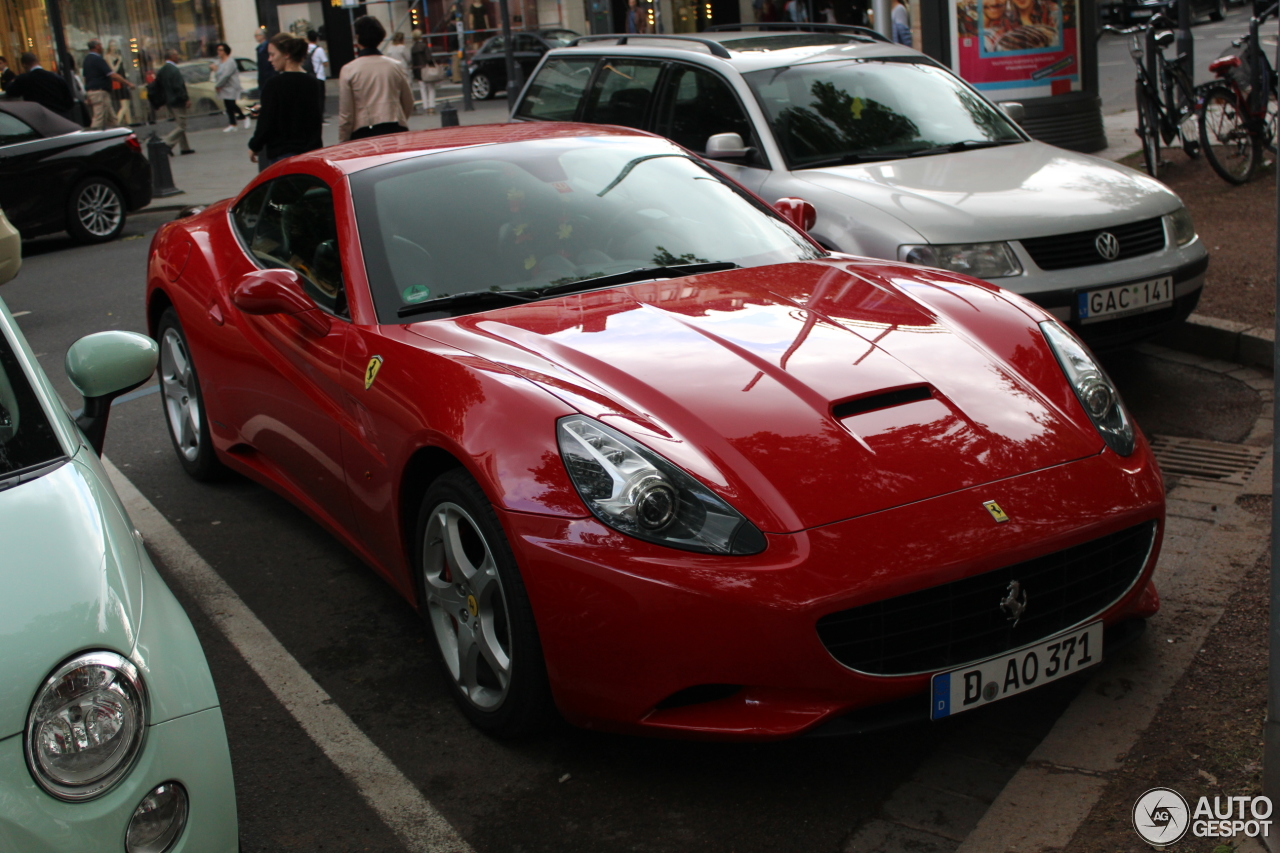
(1165, 111)
(1238, 119)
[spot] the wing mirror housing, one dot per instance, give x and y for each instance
(798, 212)
(727, 146)
(1015, 111)
(102, 366)
(263, 292)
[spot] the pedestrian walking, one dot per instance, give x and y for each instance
(289, 122)
(316, 59)
(426, 71)
(7, 74)
(42, 87)
(373, 93)
(399, 51)
(226, 81)
(98, 77)
(478, 18)
(169, 93)
(901, 18)
(265, 70)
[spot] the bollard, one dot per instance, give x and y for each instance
(448, 115)
(161, 175)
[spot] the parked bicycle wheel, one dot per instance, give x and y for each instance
(1185, 107)
(1232, 151)
(1149, 131)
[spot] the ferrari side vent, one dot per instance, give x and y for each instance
(954, 623)
(882, 400)
(697, 695)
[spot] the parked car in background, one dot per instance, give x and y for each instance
(902, 159)
(10, 249)
(56, 175)
(640, 450)
(488, 66)
(198, 75)
(111, 735)
(1126, 12)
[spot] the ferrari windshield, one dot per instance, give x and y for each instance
(856, 111)
(27, 439)
(528, 220)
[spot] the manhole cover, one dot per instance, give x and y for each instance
(1206, 460)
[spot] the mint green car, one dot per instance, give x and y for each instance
(111, 736)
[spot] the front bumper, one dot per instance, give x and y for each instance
(191, 750)
(642, 639)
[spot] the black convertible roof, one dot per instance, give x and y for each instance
(43, 121)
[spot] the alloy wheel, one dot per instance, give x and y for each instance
(99, 209)
(181, 403)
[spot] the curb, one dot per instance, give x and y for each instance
(1225, 340)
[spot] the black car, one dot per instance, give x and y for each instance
(488, 67)
(55, 175)
(1126, 12)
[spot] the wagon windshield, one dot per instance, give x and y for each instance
(534, 218)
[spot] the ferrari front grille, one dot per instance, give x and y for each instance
(962, 621)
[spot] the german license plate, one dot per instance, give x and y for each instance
(1111, 302)
(997, 678)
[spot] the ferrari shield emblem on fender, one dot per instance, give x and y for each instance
(992, 507)
(371, 371)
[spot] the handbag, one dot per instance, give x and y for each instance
(432, 73)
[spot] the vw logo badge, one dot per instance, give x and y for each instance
(1014, 603)
(1107, 245)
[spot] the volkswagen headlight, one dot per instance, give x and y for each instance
(1093, 388)
(1181, 227)
(634, 490)
(980, 260)
(86, 725)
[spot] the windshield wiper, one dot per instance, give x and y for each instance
(849, 160)
(638, 274)
(469, 297)
(963, 145)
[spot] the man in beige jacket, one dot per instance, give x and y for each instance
(373, 91)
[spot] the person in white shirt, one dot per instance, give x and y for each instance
(317, 55)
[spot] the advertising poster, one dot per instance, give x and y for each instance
(1010, 49)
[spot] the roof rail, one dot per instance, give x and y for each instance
(716, 48)
(783, 26)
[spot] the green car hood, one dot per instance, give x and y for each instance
(70, 580)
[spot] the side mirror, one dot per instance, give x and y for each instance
(103, 366)
(1015, 111)
(798, 212)
(727, 146)
(264, 292)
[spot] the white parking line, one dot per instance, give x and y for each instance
(388, 792)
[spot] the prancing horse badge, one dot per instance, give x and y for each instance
(992, 507)
(371, 371)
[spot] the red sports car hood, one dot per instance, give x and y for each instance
(799, 416)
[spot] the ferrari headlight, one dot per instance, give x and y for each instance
(1093, 387)
(980, 260)
(86, 725)
(634, 490)
(1181, 227)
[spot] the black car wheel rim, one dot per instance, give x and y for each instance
(99, 209)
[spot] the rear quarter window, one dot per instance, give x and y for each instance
(554, 94)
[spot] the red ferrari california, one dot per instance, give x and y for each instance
(642, 452)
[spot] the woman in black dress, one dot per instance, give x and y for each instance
(290, 120)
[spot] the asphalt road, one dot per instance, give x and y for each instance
(570, 790)
(1116, 71)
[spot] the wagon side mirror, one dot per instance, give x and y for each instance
(1015, 111)
(264, 292)
(798, 212)
(103, 366)
(727, 146)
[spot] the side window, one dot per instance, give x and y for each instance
(622, 92)
(493, 45)
(700, 104)
(526, 43)
(554, 94)
(296, 228)
(14, 130)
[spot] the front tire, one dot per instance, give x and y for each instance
(481, 86)
(473, 600)
(183, 403)
(1230, 148)
(95, 211)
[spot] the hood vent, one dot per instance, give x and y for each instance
(882, 400)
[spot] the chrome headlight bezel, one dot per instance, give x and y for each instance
(108, 682)
(980, 260)
(1181, 229)
(648, 497)
(1094, 390)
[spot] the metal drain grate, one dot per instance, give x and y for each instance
(1206, 460)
